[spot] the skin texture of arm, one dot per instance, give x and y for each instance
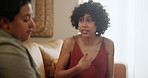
(110, 50)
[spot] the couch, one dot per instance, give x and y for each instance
(46, 55)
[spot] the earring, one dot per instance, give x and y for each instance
(97, 33)
(79, 32)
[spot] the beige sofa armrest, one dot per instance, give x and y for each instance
(50, 51)
(35, 52)
(119, 70)
(44, 55)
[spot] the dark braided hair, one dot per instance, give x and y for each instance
(97, 12)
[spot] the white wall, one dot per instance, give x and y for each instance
(62, 27)
(141, 39)
(129, 31)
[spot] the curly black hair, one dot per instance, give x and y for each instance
(97, 12)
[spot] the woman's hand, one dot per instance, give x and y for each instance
(84, 62)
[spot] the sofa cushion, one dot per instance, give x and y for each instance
(34, 50)
(50, 51)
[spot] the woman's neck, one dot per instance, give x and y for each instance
(90, 40)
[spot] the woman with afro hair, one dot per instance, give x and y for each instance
(87, 55)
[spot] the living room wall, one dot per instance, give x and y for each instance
(62, 27)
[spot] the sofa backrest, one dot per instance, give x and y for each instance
(44, 55)
(35, 52)
(50, 52)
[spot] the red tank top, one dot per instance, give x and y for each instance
(98, 68)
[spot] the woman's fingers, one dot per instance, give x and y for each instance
(86, 57)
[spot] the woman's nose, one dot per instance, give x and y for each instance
(32, 24)
(84, 24)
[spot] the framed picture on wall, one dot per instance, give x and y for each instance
(43, 18)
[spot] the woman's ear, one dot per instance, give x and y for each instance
(4, 23)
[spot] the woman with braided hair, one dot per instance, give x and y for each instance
(87, 55)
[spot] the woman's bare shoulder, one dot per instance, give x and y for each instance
(68, 42)
(71, 40)
(108, 41)
(109, 44)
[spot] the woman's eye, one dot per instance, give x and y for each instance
(89, 20)
(81, 20)
(25, 20)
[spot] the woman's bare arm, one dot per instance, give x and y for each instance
(110, 50)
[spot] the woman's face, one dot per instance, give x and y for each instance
(21, 26)
(87, 25)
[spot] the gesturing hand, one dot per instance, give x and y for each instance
(84, 62)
